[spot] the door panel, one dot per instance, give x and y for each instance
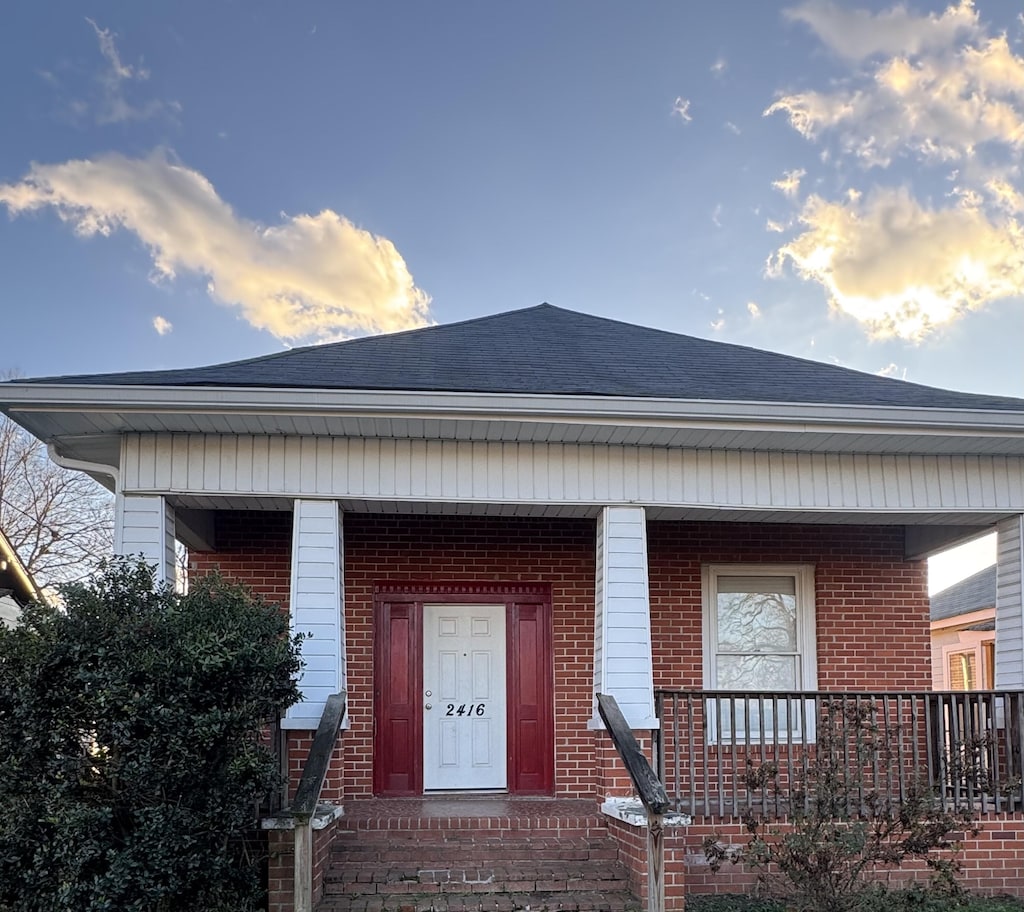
(397, 743)
(464, 719)
(530, 697)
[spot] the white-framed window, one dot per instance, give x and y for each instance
(759, 635)
(970, 665)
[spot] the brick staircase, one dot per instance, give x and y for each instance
(475, 855)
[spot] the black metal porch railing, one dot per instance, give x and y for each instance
(733, 753)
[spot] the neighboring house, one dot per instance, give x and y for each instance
(963, 622)
(17, 588)
(481, 525)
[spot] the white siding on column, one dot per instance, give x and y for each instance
(317, 607)
(1009, 601)
(144, 525)
(622, 650)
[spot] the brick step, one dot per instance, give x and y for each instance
(579, 901)
(471, 849)
(487, 861)
(433, 877)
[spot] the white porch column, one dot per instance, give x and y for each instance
(622, 646)
(1010, 604)
(317, 607)
(144, 525)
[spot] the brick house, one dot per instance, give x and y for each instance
(481, 525)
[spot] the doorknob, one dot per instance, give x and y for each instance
(427, 706)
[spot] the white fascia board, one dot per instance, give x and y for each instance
(29, 402)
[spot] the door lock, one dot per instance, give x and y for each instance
(427, 706)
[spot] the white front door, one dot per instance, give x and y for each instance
(464, 714)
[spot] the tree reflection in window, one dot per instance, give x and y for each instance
(758, 649)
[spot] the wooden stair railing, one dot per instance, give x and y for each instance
(651, 792)
(307, 796)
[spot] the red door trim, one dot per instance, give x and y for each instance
(398, 673)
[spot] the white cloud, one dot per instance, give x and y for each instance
(939, 106)
(732, 128)
(937, 89)
(310, 277)
(716, 215)
(113, 105)
(1004, 195)
(162, 325)
(901, 268)
(719, 67)
(681, 106)
(774, 226)
(753, 309)
(789, 183)
(719, 324)
(857, 33)
(892, 369)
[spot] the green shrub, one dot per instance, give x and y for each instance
(843, 834)
(129, 754)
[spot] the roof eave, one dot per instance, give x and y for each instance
(30, 591)
(25, 400)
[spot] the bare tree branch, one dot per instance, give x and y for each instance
(60, 522)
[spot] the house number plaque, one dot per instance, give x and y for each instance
(474, 709)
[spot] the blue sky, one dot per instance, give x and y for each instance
(186, 182)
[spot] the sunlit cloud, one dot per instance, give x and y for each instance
(941, 102)
(732, 128)
(941, 91)
(1004, 195)
(753, 309)
(892, 370)
(719, 67)
(901, 268)
(308, 278)
(789, 183)
(681, 106)
(774, 227)
(718, 324)
(162, 325)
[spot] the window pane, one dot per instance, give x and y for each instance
(756, 672)
(963, 674)
(741, 719)
(757, 621)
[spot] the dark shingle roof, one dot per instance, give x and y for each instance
(548, 350)
(972, 594)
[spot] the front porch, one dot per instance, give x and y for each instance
(500, 853)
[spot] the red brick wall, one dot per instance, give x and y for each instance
(872, 606)
(459, 549)
(255, 548)
(863, 588)
(989, 862)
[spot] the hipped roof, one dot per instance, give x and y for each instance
(546, 350)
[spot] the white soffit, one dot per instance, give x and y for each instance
(76, 416)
